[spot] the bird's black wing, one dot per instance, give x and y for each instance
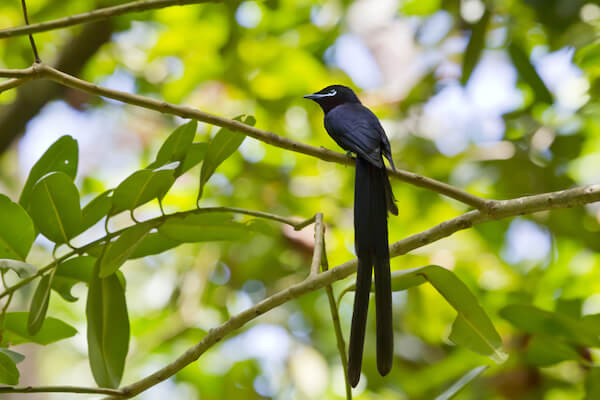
(355, 128)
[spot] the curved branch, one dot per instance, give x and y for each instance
(498, 210)
(96, 15)
(47, 72)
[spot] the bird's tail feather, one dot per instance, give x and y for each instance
(372, 196)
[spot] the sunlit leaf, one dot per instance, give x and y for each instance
(107, 329)
(221, 147)
(54, 207)
(16, 332)
(61, 156)
(9, 374)
(420, 7)
(141, 187)
(203, 228)
(16, 357)
(120, 250)
(196, 153)
(39, 304)
(16, 230)
(472, 327)
(96, 209)
(177, 145)
(154, 243)
(70, 272)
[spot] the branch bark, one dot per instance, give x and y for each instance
(96, 15)
(47, 72)
(61, 389)
(499, 210)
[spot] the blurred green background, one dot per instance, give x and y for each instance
(497, 98)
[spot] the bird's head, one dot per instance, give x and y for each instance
(332, 96)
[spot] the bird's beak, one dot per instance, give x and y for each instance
(316, 96)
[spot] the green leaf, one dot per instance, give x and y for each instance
(16, 332)
(107, 329)
(544, 350)
(16, 357)
(221, 147)
(96, 209)
(9, 374)
(54, 207)
(141, 187)
(61, 156)
(531, 319)
(528, 73)
(592, 384)
(475, 46)
(461, 383)
(420, 7)
(177, 145)
(120, 250)
(21, 268)
(70, 272)
(39, 304)
(154, 243)
(472, 327)
(203, 228)
(196, 153)
(16, 230)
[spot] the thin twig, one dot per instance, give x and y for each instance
(45, 71)
(317, 252)
(61, 389)
(499, 210)
(335, 319)
(33, 46)
(13, 83)
(103, 13)
(155, 223)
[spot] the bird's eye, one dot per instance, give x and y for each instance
(332, 93)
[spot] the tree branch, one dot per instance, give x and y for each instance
(156, 222)
(61, 389)
(102, 13)
(47, 72)
(318, 251)
(499, 210)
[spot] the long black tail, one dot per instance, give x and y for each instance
(372, 199)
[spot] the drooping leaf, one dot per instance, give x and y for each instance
(21, 268)
(70, 272)
(61, 156)
(531, 319)
(16, 357)
(221, 147)
(9, 374)
(16, 332)
(545, 350)
(154, 243)
(141, 187)
(472, 327)
(55, 208)
(95, 210)
(461, 383)
(196, 153)
(177, 145)
(107, 329)
(203, 228)
(475, 46)
(39, 304)
(16, 230)
(528, 73)
(120, 250)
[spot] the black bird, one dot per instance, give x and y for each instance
(356, 129)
